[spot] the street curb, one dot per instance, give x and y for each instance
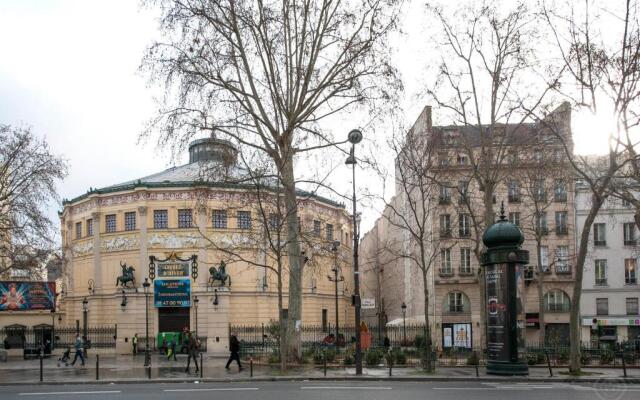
(629, 380)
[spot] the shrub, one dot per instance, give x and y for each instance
(563, 356)
(535, 357)
(374, 357)
(348, 358)
(399, 356)
(274, 357)
(419, 341)
(319, 355)
(606, 357)
(473, 359)
(585, 358)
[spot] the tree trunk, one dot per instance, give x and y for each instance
(293, 342)
(489, 218)
(574, 366)
(542, 333)
(282, 327)
(427, 324)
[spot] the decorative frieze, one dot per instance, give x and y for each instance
(120, 243)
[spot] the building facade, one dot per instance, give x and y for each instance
(532, 181)
(610, 291)
(161, 224)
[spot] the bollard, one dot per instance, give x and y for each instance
(546, 352)
(97, 367)
(251, 366)
(41, 369)
(475, 354)
(149, 371)
(324, 360)
(390, 367)
(624, 365)
(201, 366)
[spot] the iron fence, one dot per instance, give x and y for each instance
(49, 337)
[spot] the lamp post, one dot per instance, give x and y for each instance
(195, 307)
(335, 279)
(355, 137)
(404, 323)
(85, 311)
(145, 285)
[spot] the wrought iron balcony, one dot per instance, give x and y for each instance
(562, 230)
(445, 272)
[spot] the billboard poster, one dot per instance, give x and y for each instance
(462, 335)
(172, 293)
(26, 296)
(446, 336)
(173, 269)
(496, 281)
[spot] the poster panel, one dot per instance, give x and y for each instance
(26, 296)
(462, 335)
(496, 289)
(172, 293)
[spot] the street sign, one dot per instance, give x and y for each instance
(368, 304)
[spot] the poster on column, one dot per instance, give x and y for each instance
(25, 296)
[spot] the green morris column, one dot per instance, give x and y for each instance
(503, 264)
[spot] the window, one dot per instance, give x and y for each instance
(602, 306)
(443, 160)
(445, 262)
(539, 191)
(462, 159)
(514, 218)
(274, 221)
(560, 190)
(464, 220)
(445, 225)
(329, 232)
(316, 228)
(463, 188)
(562, 260)
(601, 272)
(110, 222)
(632, 306)
(557, 301)
(456, 302)
(285, 313)
(465, 260)
(630, 275)
(325, 320)
(130, 221)
(514, 192)
(537, 155)
(599, 238)
(541, 223)
(629, 230)
(244, 219)
(220, 219)
(185, 218)
(544, 259)
(90, 227)
(160, 219)
(445, 196)
(561, 223)
(78, 230)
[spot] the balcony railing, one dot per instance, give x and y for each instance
(444, 200)
(543, 230)
(563, 269)
(599, 242)
(560, 197)
(630, 242)
(559, 307)
(445, 271)
(562, 230)
(463, 199)
(514, 198)
(463, 233)
(465, 271)
(601, 282)
(445, 233)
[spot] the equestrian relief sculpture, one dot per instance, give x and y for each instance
(219, 274)
(127, 276)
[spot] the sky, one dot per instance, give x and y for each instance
(69, 69)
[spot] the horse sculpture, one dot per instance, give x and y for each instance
(127, 276)
(219, 274)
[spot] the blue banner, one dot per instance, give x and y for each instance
(172, 293)
(25, 296)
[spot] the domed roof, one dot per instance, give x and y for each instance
(502, 233)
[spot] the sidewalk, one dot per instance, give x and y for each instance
(125, 369)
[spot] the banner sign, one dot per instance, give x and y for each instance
(26, 296)
(612, 321)
(172, 293)
(173, 269)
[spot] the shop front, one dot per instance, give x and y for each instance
(606, 332)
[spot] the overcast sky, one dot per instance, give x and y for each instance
(69, 69)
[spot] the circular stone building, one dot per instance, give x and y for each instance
(174, 226)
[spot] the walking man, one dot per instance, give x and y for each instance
(134, 343)
(79, 346)
(234, 348)
(192, 350)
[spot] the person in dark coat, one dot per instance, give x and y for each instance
(234, 348)
(192, 351)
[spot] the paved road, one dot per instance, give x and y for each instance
(328, 390)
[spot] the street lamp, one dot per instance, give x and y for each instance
(404, 323)
(215, 297)
(334, 248)
(195, 307)
(355, 137)
(145, 285)
(85, 310)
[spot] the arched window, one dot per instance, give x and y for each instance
(557, 301)
(456, 303)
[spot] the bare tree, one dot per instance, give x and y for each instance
(488, 57)
(266, 74)
(28, 175)
(599, 47)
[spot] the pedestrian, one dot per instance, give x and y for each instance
(134, 344)
(192, 351)
(79, 347)
(234, 348)
(387, 343)
(163, 348)
(171, 352)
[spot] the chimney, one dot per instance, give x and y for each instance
(429, 122)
